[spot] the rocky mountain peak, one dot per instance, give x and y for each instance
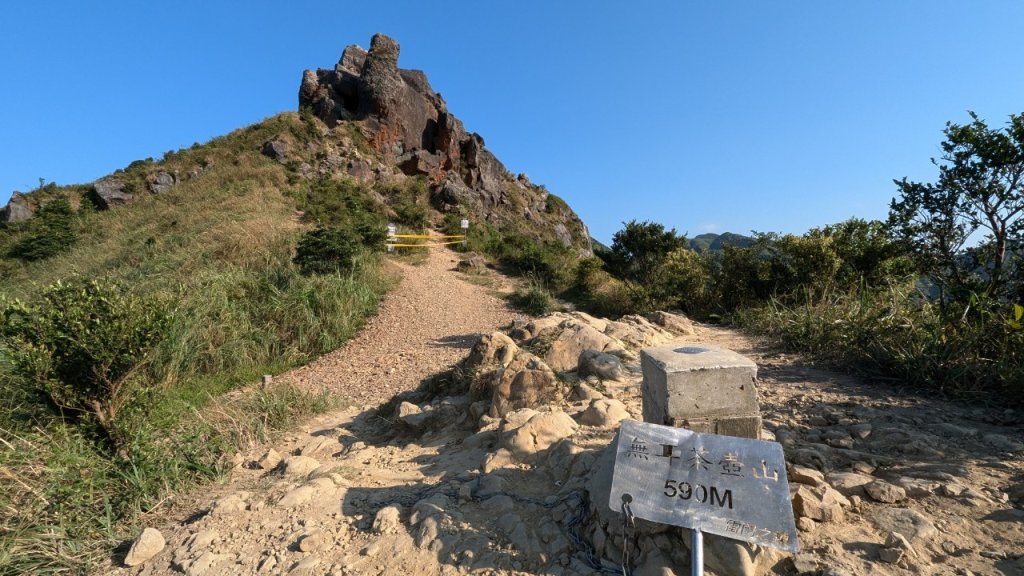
(409, 127)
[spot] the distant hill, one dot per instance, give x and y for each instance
(711, 242)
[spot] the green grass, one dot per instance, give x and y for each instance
(217, 251)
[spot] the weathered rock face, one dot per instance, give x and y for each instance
(18, 209)
(409, 127)
(110, 193)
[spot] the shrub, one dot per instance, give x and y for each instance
(327, 250)
(50, 232)
(83, 344)
(534, 299)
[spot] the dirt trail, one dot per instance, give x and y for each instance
(355, 494)
(424, 326)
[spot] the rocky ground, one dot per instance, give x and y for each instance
(498, 466)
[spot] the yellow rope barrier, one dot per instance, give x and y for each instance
(460, 237)
(423, 245)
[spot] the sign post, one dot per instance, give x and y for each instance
(392, 230)
(725, 485)
(465, 231)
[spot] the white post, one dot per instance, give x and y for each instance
(696, 552)
(465, 232)
(392, 230)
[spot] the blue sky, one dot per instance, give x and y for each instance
(704, 116)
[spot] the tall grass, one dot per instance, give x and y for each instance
(897, 334)
(217, 250)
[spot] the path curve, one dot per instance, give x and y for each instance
(424, 326)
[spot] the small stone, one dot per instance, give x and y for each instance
(300, 465)
(890, 555)
(305, 567)
(147, 545)
(604, 413)
(805, 524)
(269, 460)
(201, 540)
(897, 540)
(849, 483)
(311, 541)
(1000, 442)
(387, 520)
(882, 491)
(805, 475)
(230, 504)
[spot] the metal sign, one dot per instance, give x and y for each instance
(464, 224)
(733, 487)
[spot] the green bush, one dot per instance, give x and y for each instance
(50, 232)
(534, 299)
(83, 343)
(327, 250)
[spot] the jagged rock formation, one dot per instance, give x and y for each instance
(409, 126)
(18, 208)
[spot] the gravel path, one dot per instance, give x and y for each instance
(424, 326)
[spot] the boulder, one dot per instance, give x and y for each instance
(162, 182)
(525, 382)
(676, 323)
(276, 149)
(881, 491)
(18, 209)
(109, 193)
(147, 545)
(604, 413)
(572, 339)
(537, 433)
(600, 364)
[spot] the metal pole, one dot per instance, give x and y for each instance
(696, 552)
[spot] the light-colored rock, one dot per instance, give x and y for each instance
(849, 483)
(305, 567)
(388, 520)
(300, 465)
(805, 475)
(201, 540)
(916, 527)
(604, 413)
(539, 433)
(583, 391)
(882, 491)
(149, 543)
(817, 503)
(297, 497)
(573, 338)
(526, 382)
(319, 444)
(269, 460)
(230, 504)
(204, 565)
(676, 323)
(311, 541)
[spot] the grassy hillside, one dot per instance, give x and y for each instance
(214, 254)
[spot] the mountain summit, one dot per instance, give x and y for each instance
(409, 127)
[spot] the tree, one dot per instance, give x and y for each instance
(867, 249)
(638, 255)
(980, 189)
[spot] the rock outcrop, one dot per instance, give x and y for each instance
(408, 125)
(18, 209)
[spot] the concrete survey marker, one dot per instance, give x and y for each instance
(701, 387)
(733, 487)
